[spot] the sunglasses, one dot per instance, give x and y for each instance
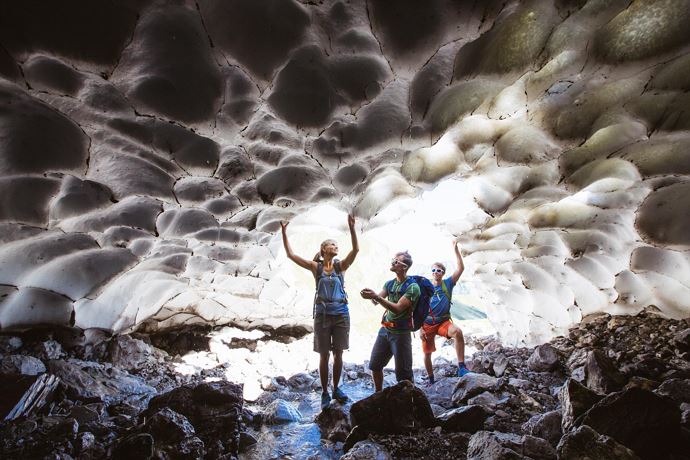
(397, 262)
(436, 270)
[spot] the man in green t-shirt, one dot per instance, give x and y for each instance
(394, 338)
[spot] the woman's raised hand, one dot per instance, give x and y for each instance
(284, 224)
(351, 221)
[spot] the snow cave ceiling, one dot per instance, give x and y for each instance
(149, 149)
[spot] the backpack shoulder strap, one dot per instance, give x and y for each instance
(445, 290)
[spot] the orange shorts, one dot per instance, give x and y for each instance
(429, 332)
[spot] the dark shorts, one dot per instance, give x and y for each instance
(331, 333)
(389, 345)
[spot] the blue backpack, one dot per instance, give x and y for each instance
(421, 309)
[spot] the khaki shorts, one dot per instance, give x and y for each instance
(331, 333)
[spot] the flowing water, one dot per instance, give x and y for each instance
(302, 440)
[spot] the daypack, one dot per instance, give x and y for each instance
(421, 310)
(449, 296)
(322, 295)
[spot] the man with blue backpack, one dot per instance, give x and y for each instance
(406, 300)
(439, 321)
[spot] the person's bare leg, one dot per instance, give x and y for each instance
(323, 370)
(429, 367)
(337, 367)
(378, 379)
(456, 334)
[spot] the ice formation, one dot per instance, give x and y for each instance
(149, 149)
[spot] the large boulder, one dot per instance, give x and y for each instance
(467, 419)
(576, 399)
(584, 442)
(493, 445)
(546, 426)
(647, 423)
(471, 385)
(213, 408)
(543, 359)
(602, 375)
(402, 408)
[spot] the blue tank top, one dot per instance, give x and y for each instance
(330, 298)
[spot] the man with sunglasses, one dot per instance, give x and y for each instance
(394, 338)
(439, 321)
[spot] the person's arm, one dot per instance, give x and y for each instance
(304, 263)
(460, 264)
(400, 306)
(347, 261)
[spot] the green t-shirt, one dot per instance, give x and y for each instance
(412, 292)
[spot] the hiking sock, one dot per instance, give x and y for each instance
(431, 379)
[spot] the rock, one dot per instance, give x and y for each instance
(402, 408)
(301, 381)
(50, 349)
(280, 411)
(583, 442)
(546, 426)
(21, 364)
(500, 364)
(676, 389)
(135, 446)
(488, 445)
(576, 399)
(488, 400)
(367, 450)
(333, 423)
(84, 414)
(467, 419)
(213, 408)
(9, 344)
(128, 353)
(602, 375)
(441, 392)
(639, 419)
(471, 385)
(168, 427)
(682, 339)
(246, 441)
(91, 382)
(543, 359)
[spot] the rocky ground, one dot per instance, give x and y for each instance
(616, 387)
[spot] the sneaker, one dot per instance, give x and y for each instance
(462, 370)
(325, 400)
(340, 396)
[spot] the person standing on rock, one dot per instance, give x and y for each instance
(331, 313)
(394, 338)
(439, 320)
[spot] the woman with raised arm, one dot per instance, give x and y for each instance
(331, 313)
(439, 321)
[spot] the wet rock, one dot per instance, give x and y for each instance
(333, 422)
(647, 423)
(487, 445)
(543, 359)
(468, 419)
(471, 385)
(602, 375)
(584, 442)
(128, 353)
(22, 365)
(301, 381)
(576, 399)
(367, 450)
(280, 411)
(546, 426)
(402, 408)
(91, 382)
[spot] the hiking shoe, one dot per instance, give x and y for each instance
(325, 400)
(462, 370)
(340, 396)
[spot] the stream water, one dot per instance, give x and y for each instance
(302, 440)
